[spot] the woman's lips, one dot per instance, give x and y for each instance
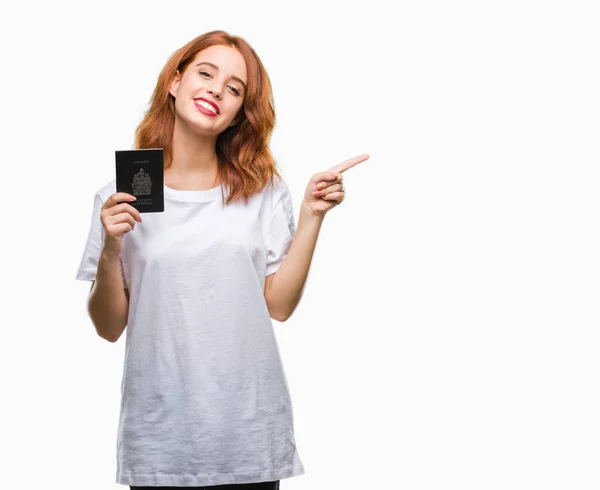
(204, 111)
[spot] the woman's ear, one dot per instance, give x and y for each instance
(175, 84)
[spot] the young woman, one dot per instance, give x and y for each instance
(204, 398)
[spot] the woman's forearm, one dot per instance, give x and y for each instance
(288, 282)
(108, 304)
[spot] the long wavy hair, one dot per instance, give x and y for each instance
(245, 162)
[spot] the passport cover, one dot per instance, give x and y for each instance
(141, 173)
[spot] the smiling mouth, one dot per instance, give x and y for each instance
(206, 107)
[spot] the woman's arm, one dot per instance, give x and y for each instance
(324, 191)
(284, 288)
(108, 303)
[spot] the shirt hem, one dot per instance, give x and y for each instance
(167, 480)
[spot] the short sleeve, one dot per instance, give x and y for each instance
(88, 265)
(281, 232)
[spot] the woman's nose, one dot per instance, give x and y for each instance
(215, 93)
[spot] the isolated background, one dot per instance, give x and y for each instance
(448, 337)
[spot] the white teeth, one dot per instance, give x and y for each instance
(206, 105)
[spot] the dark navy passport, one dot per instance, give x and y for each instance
(141, 173)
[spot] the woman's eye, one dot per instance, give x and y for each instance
(204, 73)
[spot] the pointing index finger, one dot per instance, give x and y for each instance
(345, 165)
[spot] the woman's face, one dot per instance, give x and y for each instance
(217, 75)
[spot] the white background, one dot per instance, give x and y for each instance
(448, 336)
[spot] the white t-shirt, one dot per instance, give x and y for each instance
(204, 397)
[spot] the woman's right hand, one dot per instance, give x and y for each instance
(118, 218)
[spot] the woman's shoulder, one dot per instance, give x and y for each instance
(107, 190)
(277, 188)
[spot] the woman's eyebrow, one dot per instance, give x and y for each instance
(216, 68)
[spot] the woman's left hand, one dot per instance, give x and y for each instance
(325, 190)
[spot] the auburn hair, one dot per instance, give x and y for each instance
(245, 162)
